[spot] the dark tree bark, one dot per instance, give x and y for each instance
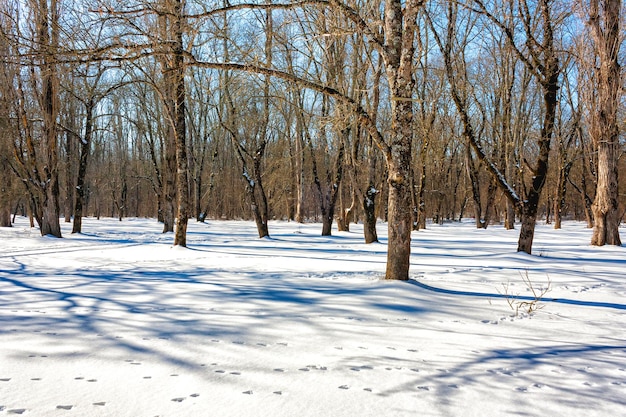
(5, 188)
(180, 129)
(85, 148)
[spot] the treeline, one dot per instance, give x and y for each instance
(325, 110)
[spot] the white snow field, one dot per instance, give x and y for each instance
(117, 322)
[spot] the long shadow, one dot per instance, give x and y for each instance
(147, 302)
(524, 298)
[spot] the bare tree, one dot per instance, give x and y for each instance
(539, 55)
(604, 24)
(36, 144)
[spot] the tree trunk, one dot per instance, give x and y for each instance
(606, 215)
(169, 182)
(180, 129)
(48, 37)
(5, 188)
(68, 204)
(531, 205)
(85, 147)
(561, 189)
(369, 209)
(400, 29)
(604, 20)
(399, 203)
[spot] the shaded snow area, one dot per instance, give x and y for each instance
(117, 322)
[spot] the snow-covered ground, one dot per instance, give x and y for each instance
(117, 322)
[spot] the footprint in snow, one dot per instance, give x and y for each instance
(17, 411)
(344, 387)
(279, 370)
(64, 407)
(100, 403)
(178, 399)
(194, 395)
(5, 379)
(249, 392)
(423, 388)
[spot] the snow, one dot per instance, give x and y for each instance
(117, 322)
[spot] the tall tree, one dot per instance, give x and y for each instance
(395, 42)
(604, 24)
(539, 55)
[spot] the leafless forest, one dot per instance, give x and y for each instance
(506, 111)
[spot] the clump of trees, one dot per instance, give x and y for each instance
(318, 110)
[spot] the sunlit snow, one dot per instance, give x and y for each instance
(117, 322)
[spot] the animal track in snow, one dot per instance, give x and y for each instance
(17, 411)
(64, 407)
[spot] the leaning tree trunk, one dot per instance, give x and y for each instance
(531, 205)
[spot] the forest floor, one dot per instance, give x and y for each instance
(117, 322)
